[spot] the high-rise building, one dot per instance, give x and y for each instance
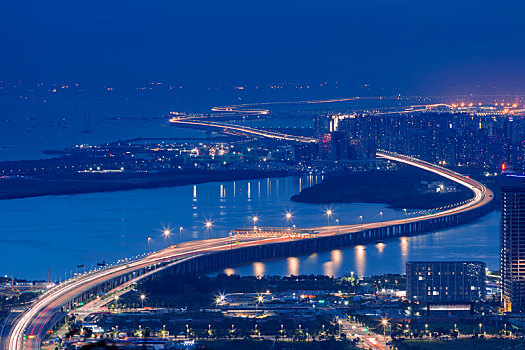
(512, 243)
(445, 281)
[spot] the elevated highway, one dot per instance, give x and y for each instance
(240, 129)
(31, 327)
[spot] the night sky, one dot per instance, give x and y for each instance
(431, 46)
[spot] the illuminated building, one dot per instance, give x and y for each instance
(512, 243)
(445, 282)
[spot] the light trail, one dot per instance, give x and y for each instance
(34, 322)
(243, 129)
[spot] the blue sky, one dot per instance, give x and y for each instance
(433, 45)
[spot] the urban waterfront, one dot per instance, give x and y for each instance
(62, 232)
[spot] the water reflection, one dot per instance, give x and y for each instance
(293, 266)
(105, 216)
(479, 241)
(360, 259)
(337, 258)
(259, 269)
(229, 271)
(404, 246)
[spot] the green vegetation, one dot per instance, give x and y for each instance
(399, 189)
(216, 325)
(191, 290)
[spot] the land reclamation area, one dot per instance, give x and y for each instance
(402, 188)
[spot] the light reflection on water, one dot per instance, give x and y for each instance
(60, 232)
(476, 241)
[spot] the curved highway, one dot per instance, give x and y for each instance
(36, 320)
(241, 129)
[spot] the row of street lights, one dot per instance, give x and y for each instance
(142, 298)
(288, 216)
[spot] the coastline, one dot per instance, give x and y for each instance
(400, 189)
(27, 187)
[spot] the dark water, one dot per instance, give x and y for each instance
(60, 232)
(33, 122)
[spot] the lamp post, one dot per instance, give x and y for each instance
(255, 219)
(149, 240)
(384, 322)
(142, 297)
(166, 234)
(337, 222)
(329, 213)
(208, 227)
(288, 217)
(361, 219)
(260, 300)
(180, 234)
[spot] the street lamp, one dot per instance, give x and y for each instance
(255, 219)
(208, 227)
(361, 218)
(337, 222)
(260, 300)
(384, 322)
(180, 234)
(142, 297)
(288, 217)
(149, 240)
(167, 232)
(329, 213)
(116, 302)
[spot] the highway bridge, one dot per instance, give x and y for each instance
(244, 130)
(30, 327)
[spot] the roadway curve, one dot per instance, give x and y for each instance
(35, 321)
(240, 129)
